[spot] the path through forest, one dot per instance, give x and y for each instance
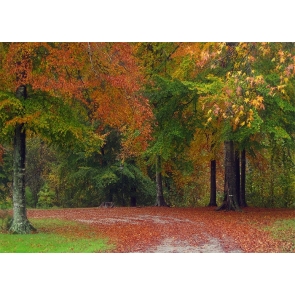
(177, 230)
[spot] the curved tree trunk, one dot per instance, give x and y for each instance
(212, 202)
(20, 223)
(160, 198)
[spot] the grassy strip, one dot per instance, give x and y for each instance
(54, 236)
(284, 230)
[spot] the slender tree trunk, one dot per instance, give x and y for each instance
(133, 196)
(20, 223)
(160, 198)
(230, 196)
(243, 179)
(238, 175)
(212, 184)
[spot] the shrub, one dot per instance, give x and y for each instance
(5, 220)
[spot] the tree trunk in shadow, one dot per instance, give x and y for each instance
(160, 198)
(230, 201)
(238, 175)
(212, 202)
(243, 179)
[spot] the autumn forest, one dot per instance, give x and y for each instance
(146, 124)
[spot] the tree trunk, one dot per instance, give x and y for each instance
(243, 179)
(160, 198)
(133, 196)
(20, 223)
(230, 196)
(238, 176)
(213, 184)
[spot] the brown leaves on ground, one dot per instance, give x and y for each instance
(140, 229)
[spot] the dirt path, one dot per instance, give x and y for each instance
(177, 246)
(149, 230)
(174, 244)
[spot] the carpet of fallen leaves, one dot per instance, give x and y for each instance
(140, 229)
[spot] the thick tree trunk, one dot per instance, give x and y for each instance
(212, 184)
(230, 196)
(160, 198)
(20, 223)
(243, 179)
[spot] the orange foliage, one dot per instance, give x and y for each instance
(104, 76)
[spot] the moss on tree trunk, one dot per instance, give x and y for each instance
(20, 223)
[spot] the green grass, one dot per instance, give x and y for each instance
(54, 236)
(284, 230)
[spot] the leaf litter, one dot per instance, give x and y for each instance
(178, 230)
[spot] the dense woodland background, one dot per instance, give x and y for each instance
(142, 124)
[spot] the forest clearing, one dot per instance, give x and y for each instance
(178, 230)
(190, 143)
(186, 127)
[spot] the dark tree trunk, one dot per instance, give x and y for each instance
(237, 173)
(133, 196)
(243, 179)
(20, 223)
(160, 198)
(230, 196)
(212, 184)
(109, 197)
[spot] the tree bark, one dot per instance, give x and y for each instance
(238, 175)
(160, 198)
(212, 202)
(230, 195)
(243, 179)
(20, 223)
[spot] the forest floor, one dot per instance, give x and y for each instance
(179, 230)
